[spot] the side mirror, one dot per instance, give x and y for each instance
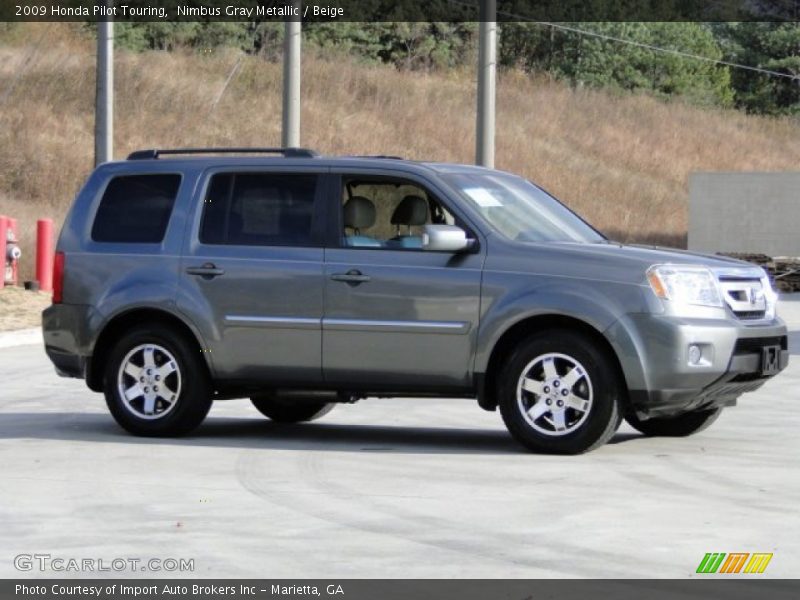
(445, 238)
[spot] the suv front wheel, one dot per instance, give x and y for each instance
(559, 393)
(156, 383)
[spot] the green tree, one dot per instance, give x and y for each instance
(771, 46)
(357, 38)
(426, 45)
(600, 62)
(180, 34)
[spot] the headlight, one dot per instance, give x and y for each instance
(770, 295)
(684, 285)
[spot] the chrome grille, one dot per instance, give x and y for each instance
(745, 297)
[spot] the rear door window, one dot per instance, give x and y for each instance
(136, 209)
(259, 209)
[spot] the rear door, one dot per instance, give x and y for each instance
(251, 276)
(397, 316)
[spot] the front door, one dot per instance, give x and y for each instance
(396, 315)
(251, 275)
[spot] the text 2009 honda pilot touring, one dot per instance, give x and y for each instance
(301, 281)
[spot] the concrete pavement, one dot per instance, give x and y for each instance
(391, 488)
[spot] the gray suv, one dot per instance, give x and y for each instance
(300, 281)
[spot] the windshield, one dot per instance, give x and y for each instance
(520, 210)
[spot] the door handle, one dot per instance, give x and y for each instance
(207, 271)
(353, 276)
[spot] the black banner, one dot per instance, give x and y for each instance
(400, 10)
(736, 588)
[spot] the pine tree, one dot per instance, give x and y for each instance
(772, 46)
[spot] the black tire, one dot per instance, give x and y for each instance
(592, 427)
(679, 426)
(188, 407)
(290, 411)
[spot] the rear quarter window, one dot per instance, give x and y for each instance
(136, 209)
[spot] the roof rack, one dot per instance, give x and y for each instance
(385, 156)
(287, 152)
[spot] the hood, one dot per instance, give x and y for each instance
(610, 261)
(657, 254)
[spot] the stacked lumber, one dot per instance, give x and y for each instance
(784, 271)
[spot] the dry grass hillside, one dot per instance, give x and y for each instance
(621, 161)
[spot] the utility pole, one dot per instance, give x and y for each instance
(290, 135)
(487, 71)
(104, 99)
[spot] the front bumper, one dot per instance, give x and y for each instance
(664, 383)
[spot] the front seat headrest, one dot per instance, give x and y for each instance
(359, 212)
(412, 211)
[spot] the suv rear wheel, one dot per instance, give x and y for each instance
(559, 393)
(679, 426)
(290, 411)
(156, 383)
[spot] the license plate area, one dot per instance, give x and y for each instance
(770, 360)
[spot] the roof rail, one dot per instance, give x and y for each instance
(386, 156)
(287, 152)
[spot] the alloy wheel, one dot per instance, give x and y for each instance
(555, 394)
(149, 381)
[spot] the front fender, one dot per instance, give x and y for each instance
(510, 299)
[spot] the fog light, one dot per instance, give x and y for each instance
(695, 354)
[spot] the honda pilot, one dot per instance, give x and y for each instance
(188, 276)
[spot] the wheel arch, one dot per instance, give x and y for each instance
(527, 327)
(119, 323)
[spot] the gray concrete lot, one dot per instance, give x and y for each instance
(391, 488)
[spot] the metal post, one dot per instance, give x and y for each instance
(104, 109)
(487, 70)
(290, 135)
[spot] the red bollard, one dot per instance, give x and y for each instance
(3, 234)
(44, 254)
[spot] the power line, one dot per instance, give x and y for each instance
(650, 47)
(653, 48)
(225, 85)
